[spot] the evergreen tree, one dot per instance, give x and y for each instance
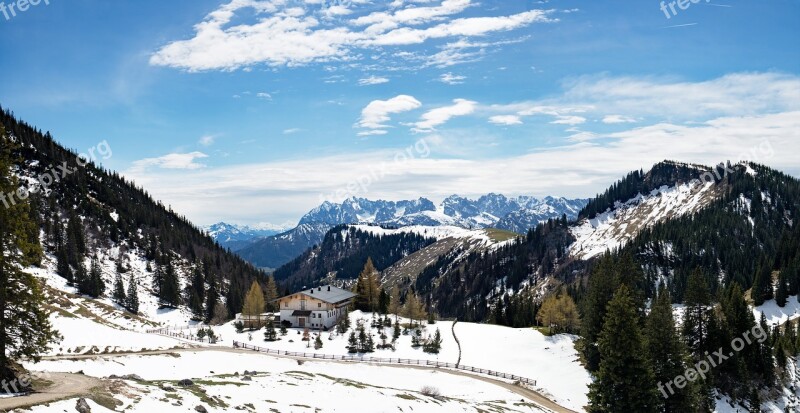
(270, 334)
(782, 292)
(132, 302)
(212, 299)
(197, 292)
(119, 291)
(383, 301)
(170, 295)
(668, 355)
(434, 345)
(25, 329)
(63, 268)
(318, 342)
(254, 306)
(697, 317)
(599, 293)
(625, 379)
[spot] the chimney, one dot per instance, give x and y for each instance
(319, 288)
(312, 291)
(329, 288)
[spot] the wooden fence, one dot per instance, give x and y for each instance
(407, 362)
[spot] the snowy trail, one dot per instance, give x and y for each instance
(65, 386)
(531, 395)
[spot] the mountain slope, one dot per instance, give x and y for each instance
(90, 211)
(276, 250)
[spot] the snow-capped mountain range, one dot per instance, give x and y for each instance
(238, 236)
(516, 214)
(493, 210)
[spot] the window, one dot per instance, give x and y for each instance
(319, 305)
(286, 304)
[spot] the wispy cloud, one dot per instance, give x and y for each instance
(171, 161)
(452, 79)
(207, 140)
(505, 120)
(372, 80)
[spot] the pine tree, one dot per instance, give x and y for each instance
(352, 343)
(697, 317)
(25, 329)
(625, 379)
(434, 345)
(92, 284)
(119, 291)
(196, 293)
(132, 302)
(318, 342)
(212, 299)
(269, 333)
(254, 305)
(668, 354)
(782, 293)
(599, 293)
(63, 269)
(170, 295)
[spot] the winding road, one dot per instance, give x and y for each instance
(65, 386)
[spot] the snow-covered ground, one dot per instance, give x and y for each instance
(551, 361)
(285, 386)
(611, 229)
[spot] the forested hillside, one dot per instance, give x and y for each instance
(86, 209)
(343, 252)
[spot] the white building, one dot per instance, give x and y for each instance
(315, 308)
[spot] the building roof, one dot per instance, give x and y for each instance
(328, 294)
(301, 313)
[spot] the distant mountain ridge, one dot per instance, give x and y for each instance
(491, 210)
(236, 237)
(517, 214)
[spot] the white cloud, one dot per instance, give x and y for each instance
(505, 120)
(291, 131)
(439, 116)
(612, 119)
(171, 161)
(264, 95)
(372, 80)
(452, 79)
(569, 120)
(207, 140)
(376, 113)
(292, 36)
(286, 189)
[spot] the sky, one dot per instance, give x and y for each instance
(253, 112)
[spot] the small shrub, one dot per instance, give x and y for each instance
(430, 391)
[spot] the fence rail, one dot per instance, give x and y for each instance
(407, 362)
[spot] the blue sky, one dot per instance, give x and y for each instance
(255, 111)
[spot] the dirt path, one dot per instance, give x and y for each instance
(525, 392)
(65, 386)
